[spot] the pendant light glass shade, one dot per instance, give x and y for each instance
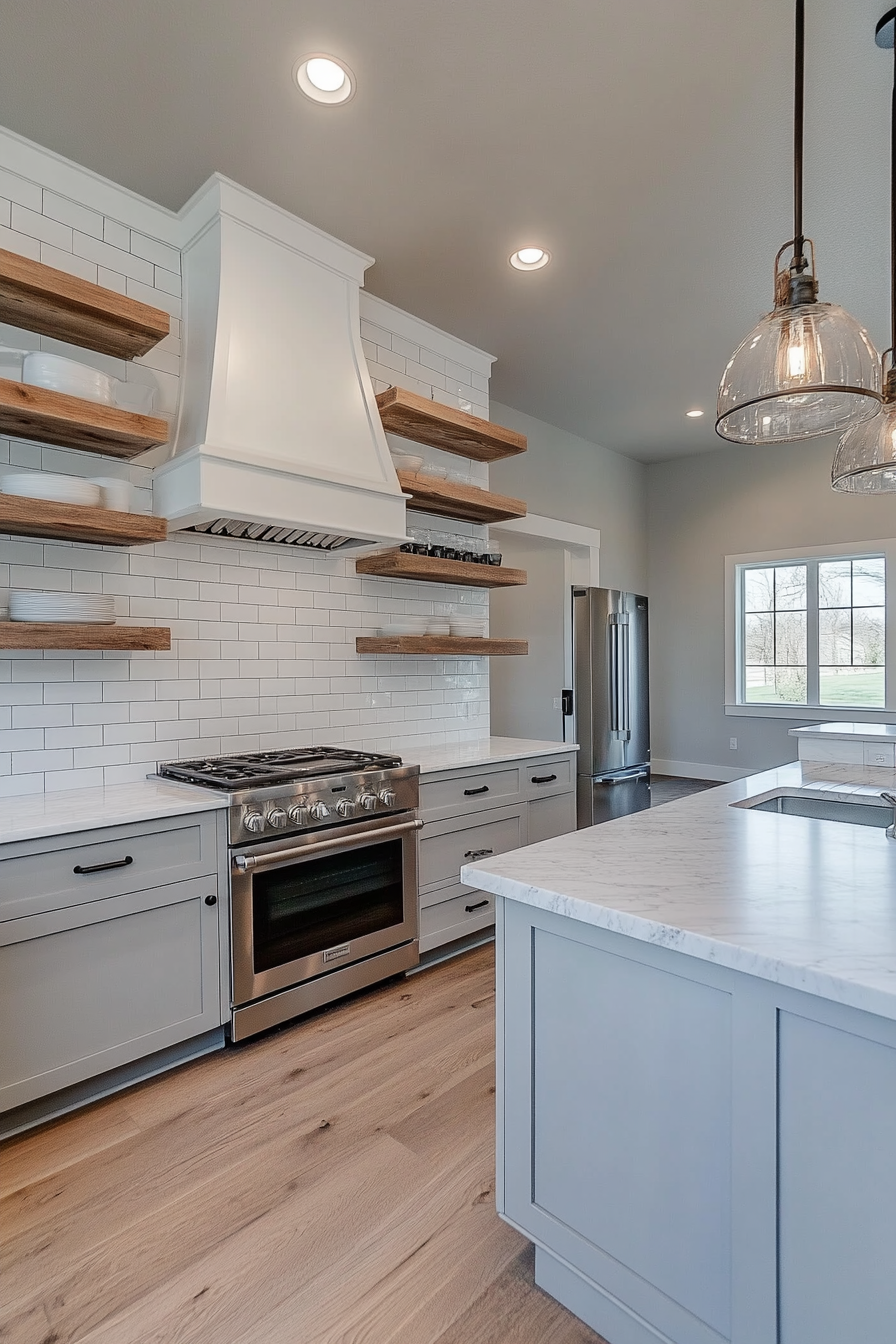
(803, 371)
(865, 461)
(808, 368)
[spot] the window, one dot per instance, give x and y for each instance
(812, 632)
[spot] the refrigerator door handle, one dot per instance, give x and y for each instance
(621, 779)
(620, 677)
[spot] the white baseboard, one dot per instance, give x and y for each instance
(724, 774)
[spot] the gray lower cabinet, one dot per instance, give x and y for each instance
(112, 953)
(476, 812)
(700, 1156)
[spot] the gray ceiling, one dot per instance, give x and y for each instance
(646, 144)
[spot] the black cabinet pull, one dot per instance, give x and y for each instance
(477, 853)
(211, 900)
(543, 779)
(478, 906)
(471, 793)
(103, 867)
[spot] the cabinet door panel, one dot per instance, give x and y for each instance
(836, 1185)
(78, 1000)
(632, 1119)
(551, 816)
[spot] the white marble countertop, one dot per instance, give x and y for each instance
(847, 732)
(41, 814)
(485, 751)
(805, 903)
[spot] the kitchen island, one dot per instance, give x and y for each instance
(697, 1066)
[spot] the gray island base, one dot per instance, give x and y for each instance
(697, 1119)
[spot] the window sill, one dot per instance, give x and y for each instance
(800, 714)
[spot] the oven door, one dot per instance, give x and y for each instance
(306, 905)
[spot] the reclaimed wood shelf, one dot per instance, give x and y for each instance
(445, 646)
(430, 569)
(63, 306)
(23, 517)
(47, 635)
(413, 417)
(449, 499)
(28, 412)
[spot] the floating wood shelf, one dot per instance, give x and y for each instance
(445, 646)
(44, 635)
(57, 304)
(451, 500)
(28, 412)
(21, 517)
(430, 569)
(413, 417)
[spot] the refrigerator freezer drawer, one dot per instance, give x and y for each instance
(606, 797)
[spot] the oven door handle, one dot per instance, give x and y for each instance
(245, 863)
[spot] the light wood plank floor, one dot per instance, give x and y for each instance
(332, 1183)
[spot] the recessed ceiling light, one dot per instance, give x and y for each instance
(694, 415)
(324, 79)
(530, 258)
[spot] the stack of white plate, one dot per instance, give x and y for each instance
(404, 625)
(41, 369)
(45, 485)
(72, 608)
(467, 628)
(438, 625)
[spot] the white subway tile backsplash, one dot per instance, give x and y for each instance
(263, 638)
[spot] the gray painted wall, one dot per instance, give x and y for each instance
(701, 509)
(563, 476)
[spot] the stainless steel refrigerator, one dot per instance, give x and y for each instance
(610, 703)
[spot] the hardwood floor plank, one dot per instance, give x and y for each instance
(328, 1184)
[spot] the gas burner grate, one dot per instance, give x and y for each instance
(255, 770)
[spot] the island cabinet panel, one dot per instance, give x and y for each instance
(837, 1184)
(634, 1151)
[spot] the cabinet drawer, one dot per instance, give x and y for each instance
(544, 776)
(471, 790)
(455, 918)
(69, 870)
(554, 815)
(442, 855)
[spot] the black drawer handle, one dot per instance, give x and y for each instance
(471, 793)
(478, 906)
(478, 853)
(543, 779)
(211, 900)
(103, 867)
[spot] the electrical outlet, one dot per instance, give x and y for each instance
(558, 703)
(732, 743)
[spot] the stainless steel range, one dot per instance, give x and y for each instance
(323, 863)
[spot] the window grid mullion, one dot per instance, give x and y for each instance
(813, 689)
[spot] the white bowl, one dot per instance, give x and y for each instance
(115, 493)
(407, 462)
(66, 375)
(46, 485)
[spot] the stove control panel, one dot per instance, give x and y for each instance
(323, 803)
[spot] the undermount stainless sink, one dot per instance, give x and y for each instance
(863, 811)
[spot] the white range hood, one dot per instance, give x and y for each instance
(278, 435)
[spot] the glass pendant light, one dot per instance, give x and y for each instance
(808, 367)
(865, 460)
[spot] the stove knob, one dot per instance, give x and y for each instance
(345, 807)
(368, 802)
(388, 798)
(254, 822)
(320, 811)
(277, 817)
(298, 814)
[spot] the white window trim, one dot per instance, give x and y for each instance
(802, 713)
